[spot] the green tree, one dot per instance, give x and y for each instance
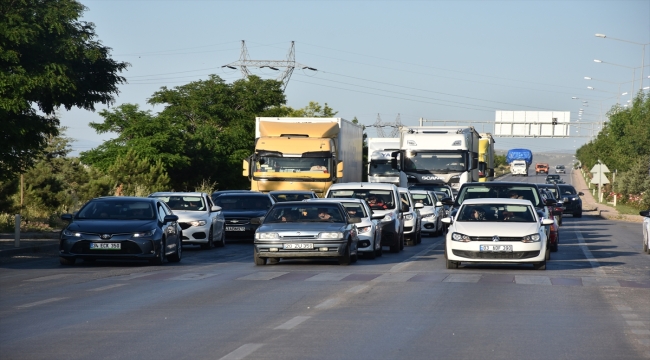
(136, 176)
(48, 59)
(314, 109)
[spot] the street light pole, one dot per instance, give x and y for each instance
(603, 36)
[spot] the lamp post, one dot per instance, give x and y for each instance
(603, 36)
(628, 67)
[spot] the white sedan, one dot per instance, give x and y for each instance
(646, 230)
(497, 231)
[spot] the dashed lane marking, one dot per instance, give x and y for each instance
(328, 277)
(463, 278)
(394, 277)
(410, 260)
(293, 323)
(46, 301)
(193, 276)
(328, 303)
(106, 287)
(242, 352)
(357, 289)
(265, 275)
(50, 277)
(592, 260)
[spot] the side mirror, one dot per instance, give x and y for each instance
(66, 217)
(170, 218)
(257, 221)
(438, 203)
(550, 202)
(581, 193)
(215, 208)
(547, 221)
(405, 208)
(245, 168)
(447, 201)
(377, 217)
(339, 170)
(419, 206)
(642, 213)
(446, 220)
(355, 220)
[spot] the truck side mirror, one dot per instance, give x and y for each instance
(245, 168)
(339, 170)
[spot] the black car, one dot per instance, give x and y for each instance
(121, 228)
(554, 191)
(571, 200)
(292, 195)
(216, 194)
(554, 179)
(239, 208)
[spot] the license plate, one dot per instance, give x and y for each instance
(298, 246)
(235, 228)
(105, 246)
(500, 248)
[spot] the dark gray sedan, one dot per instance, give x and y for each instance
(307, 230)
(121, 228)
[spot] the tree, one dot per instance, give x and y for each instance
(136, 176)
(48, 59)
(314, 109)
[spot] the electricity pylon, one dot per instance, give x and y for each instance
(289, 64)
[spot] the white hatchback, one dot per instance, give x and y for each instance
(494, 230)
(646, 230)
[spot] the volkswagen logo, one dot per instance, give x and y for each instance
(105, 236)
(495, 238)
(234, 221)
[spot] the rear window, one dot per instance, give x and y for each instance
(234, 202)
(567, 190)
(185, 203)
(377, 199)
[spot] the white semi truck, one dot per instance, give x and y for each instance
(380, 152)
(438, 154)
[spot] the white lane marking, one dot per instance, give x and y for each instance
(51, 277)
(634, 323)
(410, 260)
(264, 275)
(645, 342)
(357, 289)
(242, 351)
(293, 323)
(583, 246)
(592, 281)
(193, 276)
(467, 278)
(40, 302)
(134, 276)
(623, 308)
(641, 332)
(328, 277)
(106, 287)
(328, 303)
(393, 277)
(532, 280)
(630, 316)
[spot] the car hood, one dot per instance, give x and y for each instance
(244, 213)
(184, 215)
(482, 228)
(112, 226)
(302, 226)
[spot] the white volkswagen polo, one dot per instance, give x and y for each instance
(497, 231)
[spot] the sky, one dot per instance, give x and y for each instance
(456, 61)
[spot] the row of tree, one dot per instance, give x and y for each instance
(623, 145)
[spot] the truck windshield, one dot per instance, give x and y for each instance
(435, 162)
(294, 164)
(382, 167)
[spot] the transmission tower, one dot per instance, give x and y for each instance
(378, 125)
(396, 126)
(289, 64)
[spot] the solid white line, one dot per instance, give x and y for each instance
(356, 289)
(410, 260)
(50, 277)
(242, 351)
(583, 246)
(40, 302)
(293, 323)
(328, 303)
(107, 287)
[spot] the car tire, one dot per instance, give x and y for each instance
(379, 252)
(210, 242)
(645, 247)
(402, 241)
(178, 255)
(540, 265)
(452, 264)
(259, 261)
(395, 247)
(222, 241)
(67, 261)
(547, 254)
(346, 258)
(419, 237)
(161, 254)
(273, 261)
(412, 240)
(371, 254)
(578, 214)
(554, 248)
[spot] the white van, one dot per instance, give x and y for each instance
(384, 201)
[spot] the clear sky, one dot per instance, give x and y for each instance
(438, 60)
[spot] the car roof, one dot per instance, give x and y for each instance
(291, 192)
(250, 194)
(362, 185)
(130, 198)
(337, 200)
(498, 183)
(497, 201)
(174, 193)
(298, 203)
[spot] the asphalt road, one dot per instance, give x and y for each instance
(592, 302)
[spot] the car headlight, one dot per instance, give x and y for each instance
(408, 217)
(388, 217)
(460, 237)
(574, 199)
(198, 222)
(330, 235)
(531, 238)
(429, 216)
(267, 236)
(71, 233)
(144, 233)
(363, 230)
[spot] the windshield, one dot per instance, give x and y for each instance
(309, 212)
(552, 190)
(553, 177)
(279, 197)
(423, 199)
(377, 199)
(559, 167)
(294, 164)
(442, 189)
(355, 209)
(382, 167)
(499, 191)
(435, 162)
(234, 202)
(567, 190)
(491, 212)
(184, 203)
(123, 210)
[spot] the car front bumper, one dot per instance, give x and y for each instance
(129, 248)
(195, 234)
(275, 249)
(470, 252)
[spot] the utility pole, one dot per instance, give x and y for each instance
(289, 64)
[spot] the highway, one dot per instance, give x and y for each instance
(592, 302)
